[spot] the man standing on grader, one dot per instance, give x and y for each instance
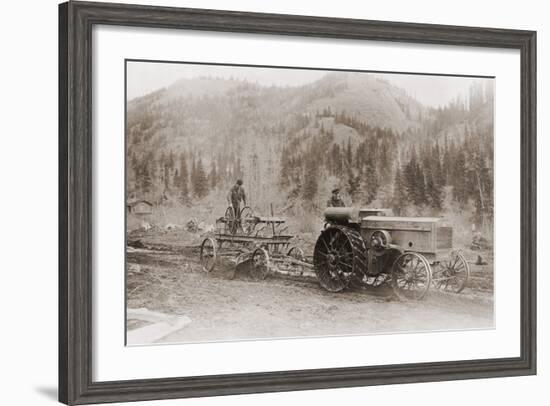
(234, 197)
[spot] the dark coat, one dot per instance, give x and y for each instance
(236, 194)
(335, 201)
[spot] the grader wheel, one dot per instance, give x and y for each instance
(230, 221)
(411, 276)
(208, 254)
(296, 253)
(260, 264)
(339, 257)
(246, 220)
(452, 274)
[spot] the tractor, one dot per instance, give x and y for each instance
(372, 248)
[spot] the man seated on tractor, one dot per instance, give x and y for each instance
(335, 200)
(234, 197)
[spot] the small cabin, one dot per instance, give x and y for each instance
(139, 207)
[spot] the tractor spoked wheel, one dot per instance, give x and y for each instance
(411, 276)
(339, 257)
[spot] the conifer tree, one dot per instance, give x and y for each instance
(166, 177)
(193, 175)
(459, 177)
(353, 184)
(369, 182)
(422, 197)
(433, 191)
(349, 154)
(213, 175)
(134, 164)
(183, 180)
(437, 169)
(336, 158)
(482, 192)
(146, 181)
(171, 161)
(384, 163)
(400, 196)
(311, 180)
(411, 178)
(285, 169)
(200, 181)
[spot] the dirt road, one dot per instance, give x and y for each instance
(223, 308)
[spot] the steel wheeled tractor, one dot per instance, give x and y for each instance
(410, 254)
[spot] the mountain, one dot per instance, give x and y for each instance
(367, 98)
(205, 113)
(352, 130)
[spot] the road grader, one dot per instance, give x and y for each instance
(373, 249)
(261, 242)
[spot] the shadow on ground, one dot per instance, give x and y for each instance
(49, 392)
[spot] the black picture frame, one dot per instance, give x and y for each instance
(76, 20)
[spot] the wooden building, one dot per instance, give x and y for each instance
(139, 207)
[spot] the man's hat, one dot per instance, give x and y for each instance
(239, 182)
(335, 190)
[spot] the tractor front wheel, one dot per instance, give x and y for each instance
(411, 276)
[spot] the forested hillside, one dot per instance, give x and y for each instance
(291, 145)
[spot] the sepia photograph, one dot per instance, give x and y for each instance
(276, 203)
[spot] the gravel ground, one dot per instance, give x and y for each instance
(224, 305)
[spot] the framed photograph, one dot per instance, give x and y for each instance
(258, 202)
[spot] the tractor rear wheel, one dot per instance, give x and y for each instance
(339, 257)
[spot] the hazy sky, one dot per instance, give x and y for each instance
(145, 77)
